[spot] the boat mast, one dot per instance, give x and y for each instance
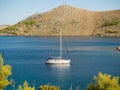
(60, 44)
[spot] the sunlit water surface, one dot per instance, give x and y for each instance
(89, 55)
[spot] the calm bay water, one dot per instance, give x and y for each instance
(89, 55)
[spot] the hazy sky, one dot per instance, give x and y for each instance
(13, 11)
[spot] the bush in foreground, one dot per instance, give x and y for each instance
(48, 87)
(104, 82)
(25, 86)
(5, 72)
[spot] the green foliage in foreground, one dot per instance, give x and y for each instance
(25, 86)
(104, 82)
(5, 72)
(48, 87)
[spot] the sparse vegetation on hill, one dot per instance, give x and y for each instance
(11, 30)
(112, 23)
(3, 26)
(73, 22)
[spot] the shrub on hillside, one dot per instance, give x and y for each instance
(110, 23)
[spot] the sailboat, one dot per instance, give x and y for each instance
(58, 60)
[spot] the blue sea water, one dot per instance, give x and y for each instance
(89, 55)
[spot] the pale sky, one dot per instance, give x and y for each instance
(13, 11)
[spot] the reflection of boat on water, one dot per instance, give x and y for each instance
(59, 72)
(58, 60)
(60, 66)
(118, 48)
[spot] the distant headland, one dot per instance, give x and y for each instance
(73, 22)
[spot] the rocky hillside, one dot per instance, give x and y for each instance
(72, 21)
(4, 26)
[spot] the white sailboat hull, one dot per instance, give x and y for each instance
(57, 61)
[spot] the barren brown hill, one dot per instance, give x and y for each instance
(72, 21)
